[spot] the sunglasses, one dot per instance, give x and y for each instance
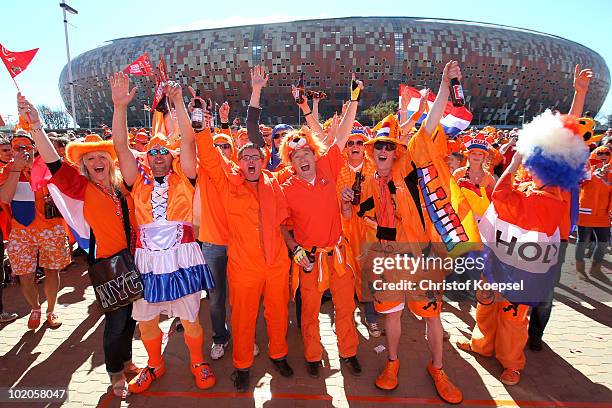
(161, 151)
(388, 146)
(279, 135)
(352, 143)
(21, 147)
(603, 153)
(224, 146)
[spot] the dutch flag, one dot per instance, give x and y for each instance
(454, 120)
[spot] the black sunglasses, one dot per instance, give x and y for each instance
(279, 135)
(224, 146)
(388, 146)
(351, 143)
(603, 153)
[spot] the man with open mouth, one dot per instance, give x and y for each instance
(170, 261)
(258, 265)
(322, 258)
(392, 206)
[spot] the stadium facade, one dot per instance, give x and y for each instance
(508, 72)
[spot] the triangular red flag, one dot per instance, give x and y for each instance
(160, 82)
(16, 62)
(141, 66)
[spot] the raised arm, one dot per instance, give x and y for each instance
(43, 144)
(188, 149)
(315, 108)
(7, 192)
(582, 77)
(122, 96)
(344, 129)
(451, 70)
(259, 79)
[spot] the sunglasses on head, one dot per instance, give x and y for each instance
(388, 146)
(161, 151)
(352, 143)
(223, 146)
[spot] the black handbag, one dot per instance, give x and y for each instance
(116, 280)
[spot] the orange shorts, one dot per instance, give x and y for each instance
(422, 308)
(29, 247)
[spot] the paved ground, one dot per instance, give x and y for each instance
(574, 370)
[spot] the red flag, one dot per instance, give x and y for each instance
(16, 62)
(160, 82)
(2, 121)
(141, 66)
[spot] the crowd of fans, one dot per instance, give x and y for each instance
(274, 213)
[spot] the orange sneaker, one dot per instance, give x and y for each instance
(204, 376)
(510, 376)
(387, 380)
(34, 320)
(145, 378)
(445, 388)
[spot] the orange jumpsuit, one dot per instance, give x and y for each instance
(315, 214)
(257, 255)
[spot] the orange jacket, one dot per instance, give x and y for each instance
(596, 200)
(254, 216)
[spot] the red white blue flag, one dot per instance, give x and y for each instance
(454, 120)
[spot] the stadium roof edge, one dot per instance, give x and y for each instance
(447, 20)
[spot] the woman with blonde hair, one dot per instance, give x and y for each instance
(93, 188)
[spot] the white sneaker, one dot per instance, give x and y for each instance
(218, 350)
(6, 317)
(255, 350)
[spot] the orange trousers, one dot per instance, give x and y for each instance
(246, 289)
(501, 330)
(342, 289)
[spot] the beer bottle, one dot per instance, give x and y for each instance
(456, 93)
(299, 90)
(357, 189)
(197, 115)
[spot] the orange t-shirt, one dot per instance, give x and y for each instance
(99, 210)
(314, 209)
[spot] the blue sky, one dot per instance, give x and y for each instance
(22, 28)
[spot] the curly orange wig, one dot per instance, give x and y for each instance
(299, 139)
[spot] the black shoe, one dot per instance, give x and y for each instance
(353, 364)
(282, 366)
(313, 368)
(535, 344)
(241, 380)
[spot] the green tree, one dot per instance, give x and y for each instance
(377, 112)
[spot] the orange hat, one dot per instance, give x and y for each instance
(141, 137)
(265, 130)
(359, 130)
(92, 143)
(480, 141)
(594, 159)
(387, 130)
(297, 140)
(159, 139)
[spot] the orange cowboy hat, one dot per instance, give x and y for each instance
(92, 143)
(387, 130)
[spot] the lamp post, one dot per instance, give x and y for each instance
(67, 8)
